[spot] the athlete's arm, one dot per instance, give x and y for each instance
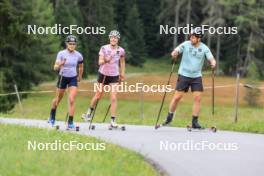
(122, 68)
(212, 62)
(174, 54)
(178, 50)
(101, 60)
(80, 72)
(210, 58)
(58, 65)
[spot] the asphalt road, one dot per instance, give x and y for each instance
(179, 152)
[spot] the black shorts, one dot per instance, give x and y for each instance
(183, 84)
(63, 82)
(108, 79)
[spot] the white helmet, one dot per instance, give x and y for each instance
(114, 33)
(71, 38)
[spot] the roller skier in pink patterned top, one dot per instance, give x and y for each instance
(111, 70)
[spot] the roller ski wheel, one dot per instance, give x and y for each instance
(158, 126)
(92, 127)
(213, 129)
(122, 128)
(110, 127)
(57, 127)
(189, 128)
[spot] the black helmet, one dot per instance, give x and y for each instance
(71, 38)
(197, 32)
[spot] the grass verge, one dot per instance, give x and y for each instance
(16, 159)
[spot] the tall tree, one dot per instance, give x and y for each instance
(68, 12)
(97, 13)
(148, 10)
(135, 37)
(249, 17)
(214, 18)
(25, 59)
(170, 15)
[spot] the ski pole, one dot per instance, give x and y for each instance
(109, 106)
(164, 95)
(213, 96)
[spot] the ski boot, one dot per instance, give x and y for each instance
(195, 124)
(166, 122)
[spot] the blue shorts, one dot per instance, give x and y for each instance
(64, 82)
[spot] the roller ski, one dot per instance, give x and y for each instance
(166, 122)
(72, 127)
(197, 127)
(190, 128)
(52, 124)
(114, 126)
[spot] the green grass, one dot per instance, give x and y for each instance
(16, 159)
(151, 66)
(160, 65)
(37, 106)
(130, 112)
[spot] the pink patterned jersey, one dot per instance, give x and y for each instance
(111, 68)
